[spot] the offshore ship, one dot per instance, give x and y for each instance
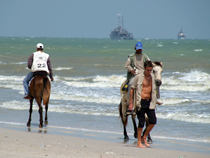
(181, 35)
(120, 33)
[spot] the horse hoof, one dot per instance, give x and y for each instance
(149, 141)
(40, 126)
(28, 124)
(126, 138)
(46, 122)
(135, 135)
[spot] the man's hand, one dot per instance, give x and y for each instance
(130, 106)
(52, 79)
(159, 103)
(133, 72)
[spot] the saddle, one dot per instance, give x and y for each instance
(125, 87)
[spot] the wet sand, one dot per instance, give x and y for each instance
(24, 144)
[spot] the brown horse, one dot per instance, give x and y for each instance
(40, 90)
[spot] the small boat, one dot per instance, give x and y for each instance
(181, 34)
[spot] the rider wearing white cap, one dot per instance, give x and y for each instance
(40, 64)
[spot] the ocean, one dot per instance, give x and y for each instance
(85, 93)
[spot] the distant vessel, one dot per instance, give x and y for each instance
(181, 34)
(120, 33)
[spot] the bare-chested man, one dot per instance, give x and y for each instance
(145, 98)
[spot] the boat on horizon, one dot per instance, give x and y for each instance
(181, 34)
(120, 33)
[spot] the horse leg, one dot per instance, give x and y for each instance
(39, 101)
(41, 119)
(30, 112)
(46, 109)
(125, 133)
(46, 96)
(134, 126)
(124, 119)
(45, 102)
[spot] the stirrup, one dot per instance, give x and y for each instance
(130, 112)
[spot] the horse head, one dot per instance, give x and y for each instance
(157, 71)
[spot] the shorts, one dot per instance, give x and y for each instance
(145, 109)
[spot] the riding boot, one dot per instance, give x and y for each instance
(27, 97)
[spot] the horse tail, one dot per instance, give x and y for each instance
(45, 79)
(121, 115)
(46, 90)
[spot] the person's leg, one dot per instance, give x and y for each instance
(26, 82)
(148, 130)
(139, 144)
(152, 121)
(141, 118)
(129, 88)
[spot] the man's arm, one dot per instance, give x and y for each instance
(131, 100)
(30, 61)
(128, 66)
(50, 68)
(146, 58)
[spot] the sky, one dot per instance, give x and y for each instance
(155, 19)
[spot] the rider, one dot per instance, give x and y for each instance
(40, 64)
(135, 65)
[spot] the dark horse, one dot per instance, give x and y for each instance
(40, 90)
(157, 71)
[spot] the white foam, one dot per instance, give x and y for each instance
(12, 82)
(195, 76)
(193, 88)
(12, 86)
(88, 84)
(17, 105)
(174, 101)
(63, 68)
(159, 45)
(82, 98)
(59, 78)
(180, 101)
(19, 63)
(2, 63)
(10, 78)
(12, 123)
(98, 81)
(187, 139)
(191, 81)
(113, 78)
(198, 50)
(184, 116)
(55, 107)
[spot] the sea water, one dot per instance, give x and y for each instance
(88, 73)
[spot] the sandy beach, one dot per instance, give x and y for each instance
(23, 144)
(83, 110)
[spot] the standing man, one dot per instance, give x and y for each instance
(145, 98)
(40, 64)
(135, 64)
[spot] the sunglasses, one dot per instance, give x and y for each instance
(149, 70)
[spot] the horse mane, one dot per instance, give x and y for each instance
(158, 63)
